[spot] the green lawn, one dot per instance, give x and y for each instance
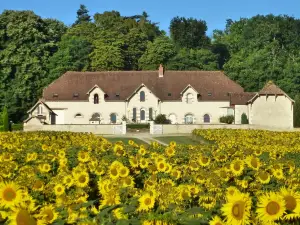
(125, 140)
(183, 140)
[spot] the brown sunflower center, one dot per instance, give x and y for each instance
(9, 194)
(128, 181)
(59, 189)
(114, 172)
(290, 202)
(82, 179)
(238, 210)
(254, 163)
(237, 166)
(204, 160)
(263, 176)
(24, 218)
(123, 171)
(147, 201)
(161, 165)
(272, 208)
(48, 214)
(38, 184)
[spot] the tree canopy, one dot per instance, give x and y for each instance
(35, 51)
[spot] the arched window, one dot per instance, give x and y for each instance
(173, 118)
(78, 115)
(189, 98)
(142, 96)
(189, 119)
(143, 116)
(96, 99)
(206, 118)
(113, 118)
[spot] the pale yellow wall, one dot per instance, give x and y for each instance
(151, 101)
(271, 111)
(239, 110)
(44, 113)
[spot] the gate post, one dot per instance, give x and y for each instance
(151, 127)
(123, 127)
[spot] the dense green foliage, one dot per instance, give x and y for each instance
(5, 119)
(36, 51)
(227, 119)
(161, 119)
(244, 119)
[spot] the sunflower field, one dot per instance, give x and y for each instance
(242, 177)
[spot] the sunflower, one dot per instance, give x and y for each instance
(48, 214)
(170, 151)
(207, 202)
(278, 174)
(263, 177)
(176, 174)
(270, 207)
(204, 161)
(253, 162)
(237, 167)
(82, 179)
(123, 171)
(10, 194)
(45, 167)
(237, 209)
(134, 162)
(38, 185)
(146, 202)
(193, 165)
(128, 181)
(144, 163)
(292, 199)
(161, 166)
(83, 156)
(59, 189)
(68, 181)
(119, 150)
(216, 221)
(142, 150)
(110, 198)
(23, 215)
(131, 142)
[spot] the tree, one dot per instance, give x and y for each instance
(157, 52)
(297, 111)
(244, 119)
(189, 32)
(5, 119)
(161, 119)
(82, 15)
(72, 55)
(193, 59)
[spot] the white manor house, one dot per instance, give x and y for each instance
(185, 97)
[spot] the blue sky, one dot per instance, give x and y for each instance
(214, 12)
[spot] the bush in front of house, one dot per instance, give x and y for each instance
(227, 119)
(138, 126)
(17, 127)
(244, 119)
(161, 119)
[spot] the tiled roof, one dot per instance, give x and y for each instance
(241, 98)
(211, 85)
(271, 88)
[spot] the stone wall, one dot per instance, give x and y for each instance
(89, 128)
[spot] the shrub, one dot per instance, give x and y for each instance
(227, 119)
(5, 119)
(297, 111)
(244, 119)
(161, 119)
(17, 126)
(138, 126)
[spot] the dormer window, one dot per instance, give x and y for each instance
(96, 99)
(55, 95)
(75, 95)
(209, 94)
(189, 98)
(78, 115)
(169, 94)
(117, 95)
(142, 96)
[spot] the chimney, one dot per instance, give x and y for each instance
(161, 71)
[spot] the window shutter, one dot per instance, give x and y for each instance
(134, 114)
(150, 114)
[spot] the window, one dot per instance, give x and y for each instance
(142, 96)
(113, 118)
(75, 95)
(169, 94)
(209, 94)
(78, 115)
(55, 95)
(96, 99)
(206, 118)
(134, 114)
(189, 119)
(143, 114)
(117, 95)
(150, 114)
(189, 98)
(40, 109)
(173, 118)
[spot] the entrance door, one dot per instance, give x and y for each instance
(53, 118)
(143, 115)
